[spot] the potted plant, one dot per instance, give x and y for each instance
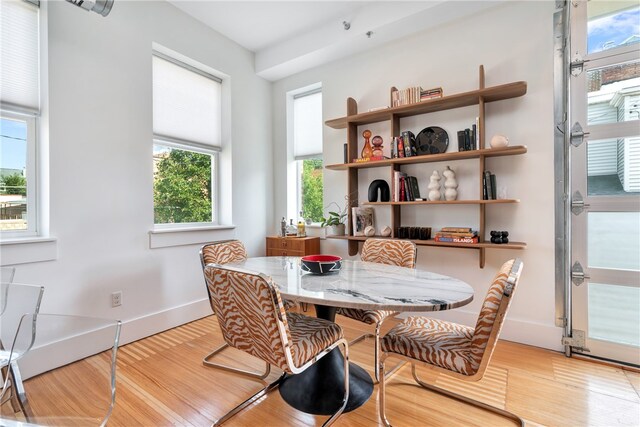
(336, 220)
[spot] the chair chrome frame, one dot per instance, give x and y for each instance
(493, 338)
(376, 335)
(11, 371)
(287, 346)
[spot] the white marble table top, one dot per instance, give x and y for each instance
(363, 285)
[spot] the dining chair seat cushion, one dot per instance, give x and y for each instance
(369, 317)
(437, 342)
(310, 335)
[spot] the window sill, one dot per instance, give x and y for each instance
(179, 236)
(27, 250)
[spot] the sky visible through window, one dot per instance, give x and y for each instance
(613, 30)
(13, 144)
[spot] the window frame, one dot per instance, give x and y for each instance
(33, 214)
(296, 165)
(186, 145)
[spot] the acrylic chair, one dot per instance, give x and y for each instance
(7, 274)
(452, 349)
(15, 301)
(225, 252)
(252, 318)
(382, 251)
(87, 388)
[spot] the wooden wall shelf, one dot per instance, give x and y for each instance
(478, 97)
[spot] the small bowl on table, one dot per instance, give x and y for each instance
(321, 264)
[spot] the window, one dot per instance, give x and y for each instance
(19, 112)
(307, 153)
(187, 140)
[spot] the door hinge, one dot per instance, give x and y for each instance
(577, 274)
(577, 135)
(576, 341)
(577, 203)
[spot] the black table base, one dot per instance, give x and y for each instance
(319, 389)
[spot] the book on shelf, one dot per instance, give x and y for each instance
(456, 229)
(489, 186)
(456, 239)
(396, 187)
(457, 235)
(461, 140)
(369, 159)
(414, 94)
(415, 188)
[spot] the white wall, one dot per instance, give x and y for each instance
(514, 42)
(100, 144)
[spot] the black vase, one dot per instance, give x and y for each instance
(381, 186)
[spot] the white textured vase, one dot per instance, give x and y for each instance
(386, 231)
(369, 231)
(499, 141)
(434, 186)
(450, 184)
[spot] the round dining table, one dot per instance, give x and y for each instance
(364, 285)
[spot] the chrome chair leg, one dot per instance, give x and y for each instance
(376, 352)
(18, 390)
(249, 401)
(346, 387)
(206, 361)
(465, 399)
(382, 391)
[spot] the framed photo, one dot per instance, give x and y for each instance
(362, 217)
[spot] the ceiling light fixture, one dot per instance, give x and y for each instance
(102, 7)
(346, 25)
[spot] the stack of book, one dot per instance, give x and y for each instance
(469, 139)
(414, 94)
(404, 146)
(405, 188)
(456, 235)
(489, 187)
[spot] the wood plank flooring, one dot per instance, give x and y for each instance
(161, 382)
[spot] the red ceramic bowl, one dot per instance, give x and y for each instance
(321, 264)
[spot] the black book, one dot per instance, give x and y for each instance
(487, 177)
(467, 139)
(408, 152)
(415, 187)
(484, 188)
(494, 187)
(461, 140)
(473, 137)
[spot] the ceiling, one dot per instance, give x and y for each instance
(290, 36)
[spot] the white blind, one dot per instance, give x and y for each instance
(19, 54)
(307, 126)
(186, 104)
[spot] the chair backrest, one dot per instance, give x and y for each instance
(222, 252)
(492, 314)
(250, 314)
(16, 300)
(40, 341)
(390, 251)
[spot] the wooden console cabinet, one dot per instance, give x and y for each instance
(293, 246)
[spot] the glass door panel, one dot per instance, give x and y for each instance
(614, 313)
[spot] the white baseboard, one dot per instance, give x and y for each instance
(61, 353)
(517, 330)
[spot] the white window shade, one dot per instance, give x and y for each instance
(19, 57)
(307, 126)
(186, 104)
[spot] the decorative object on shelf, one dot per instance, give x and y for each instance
(362, 218)
(456, 235)
(414, 233)
(346, 154)
(377, 146)
(379, 186)
(386, 231)
(336, 219)
(283, 227)
(402, 232)
(432, 140)
(321, 264)
(367, 151)
(425, 233)
(434, 186)
(499, 237)
(499, 141)
(369, 231)
(450, 184)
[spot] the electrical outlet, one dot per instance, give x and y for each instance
(116, 299)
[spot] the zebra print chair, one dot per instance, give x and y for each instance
(457, 350)
(382, 251)
(252, 319)
(225, 252)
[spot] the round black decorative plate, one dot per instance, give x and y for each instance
(432, 140)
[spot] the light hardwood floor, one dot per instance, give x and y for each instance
(162, 382)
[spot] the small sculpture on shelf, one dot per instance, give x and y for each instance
(369, 231)
(379, 186)
(450, 184)
(499, 237)
(499, 141)
(367, 151)
(377, 146)
(386, 231)
(434, 186)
